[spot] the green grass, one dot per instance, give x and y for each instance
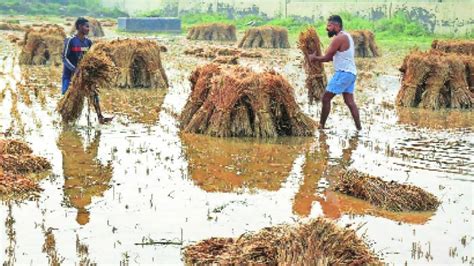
(395, 33)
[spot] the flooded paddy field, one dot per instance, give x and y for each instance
(137, 190)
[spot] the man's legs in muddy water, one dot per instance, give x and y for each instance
(327, 98)
(349, 100)
(95, 100)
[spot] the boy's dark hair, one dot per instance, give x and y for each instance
(80, 21)
(335, 19)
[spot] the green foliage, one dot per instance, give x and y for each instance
(58, 8)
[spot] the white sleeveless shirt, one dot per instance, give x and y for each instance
(344, 61)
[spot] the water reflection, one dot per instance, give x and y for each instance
(225, 165)
(138, 105)
(320, 168)
(84, 176)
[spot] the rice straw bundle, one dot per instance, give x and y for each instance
(364, 42)
(437, 80)
(318, 242)
(43, 46)
(232, 101)
(212, 32)
(265, 37)
(11, 26)
(463, 47)
(138, 63)
(94, 71)
(387, 195)
(316, 79)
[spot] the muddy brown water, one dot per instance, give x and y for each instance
(116, 190)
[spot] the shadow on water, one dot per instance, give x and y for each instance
(84, 176)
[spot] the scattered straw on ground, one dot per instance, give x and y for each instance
(265, 37)
(436, 80)
(364, 42)
(216, 51)
(212, 32)
(318, 242)
(14, 147)
(11, 26)
(229, 101)
(23, 164)
(95, 70)
(464, 47)
(316, 79)
(387, 195)
(95, 28)
(42, 46)
(17, 186)
(138, 63)
(231, 60)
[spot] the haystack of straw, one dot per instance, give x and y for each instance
(318, 242)
(316, 79)
(364, 42)
(464, 47)
(387, 195)
(231, 60)
(95, 70)
(437, 80)
(94, 26)
(11, 26)
(216, 51)
(138, 63)
(23, 164)
(212, 32)
(228, 101)
(265, 37)
(43, 46)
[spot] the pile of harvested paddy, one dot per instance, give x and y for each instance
(42, 46)
(212, 32)
(216, 51)
(94, 26)
(364, 43)
(318, 242)
(23, 164)
(95, 70)
(138, 63)
(230, 60)
(17, 186)
(387, 195)
(463, 47)
(233, 101)
(265, 37)
(11, 26)
(436, 80)
(16, 160)
(316, 79)
(14, 147)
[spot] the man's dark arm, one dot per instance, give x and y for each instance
(330, 52)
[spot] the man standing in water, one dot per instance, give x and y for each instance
(75, 48)
(341, 52)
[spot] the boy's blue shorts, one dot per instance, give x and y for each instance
(65, 85)
(342, 82)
